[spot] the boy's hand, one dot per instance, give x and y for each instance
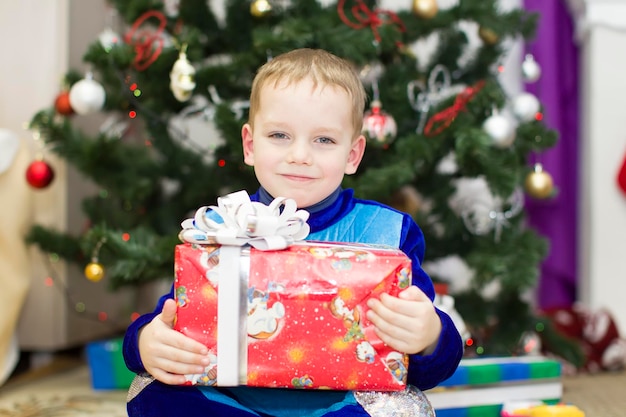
(407, 323)
(168, 354)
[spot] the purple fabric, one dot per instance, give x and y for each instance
(555, 50)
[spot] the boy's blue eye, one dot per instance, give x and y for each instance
(278, 135)
(325, 140)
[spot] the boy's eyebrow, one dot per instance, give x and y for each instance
(275, 123)
(329, 131)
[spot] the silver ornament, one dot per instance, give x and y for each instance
(500, 129)
(526, 106)
(87, 95)
(531, 71)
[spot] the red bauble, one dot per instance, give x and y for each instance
(379, 127)
(62, 104)
(39, 174)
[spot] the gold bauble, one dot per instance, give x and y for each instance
(407, 199)
(94, 271)
(259, 8)
(488, 35)
(426, 9)
(539, 183)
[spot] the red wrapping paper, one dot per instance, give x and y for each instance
(304, 314)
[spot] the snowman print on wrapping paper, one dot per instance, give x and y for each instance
(302, 382)
(350, 317)
(208, 377)
(395, 362)
(404, 278)
(263, 319)
(365, 352)
(343, 256)
(209, 259)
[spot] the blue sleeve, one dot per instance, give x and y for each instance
(427, 371)
(131, 338)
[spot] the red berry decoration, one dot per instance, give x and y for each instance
(39, 174)
(62, 104)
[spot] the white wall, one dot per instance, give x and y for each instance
(602, 33)
(35, 52)
(42, 39)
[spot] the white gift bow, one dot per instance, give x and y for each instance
(262, 226)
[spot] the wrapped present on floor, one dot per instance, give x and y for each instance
(106, 365)
(538, 409)
(294, 317)
(480, 386)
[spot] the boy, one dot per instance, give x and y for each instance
(302, 137)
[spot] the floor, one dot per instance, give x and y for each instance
(63, 388)
(599, 395)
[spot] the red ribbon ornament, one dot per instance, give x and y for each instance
(621, 177)
(369, 18)
(442, 120)
(148, 44)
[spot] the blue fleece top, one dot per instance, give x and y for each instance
(344, 218)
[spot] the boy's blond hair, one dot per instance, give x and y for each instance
(322, 67)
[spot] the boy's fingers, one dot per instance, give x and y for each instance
(413, 293)
(168, 378)
(168, 314)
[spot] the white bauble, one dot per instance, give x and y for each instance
(526, 106)
(171, 8)
(108, 39)
(87, 96)
(531, 71)
(500, 129)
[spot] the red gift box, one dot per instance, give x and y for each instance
(300, 320)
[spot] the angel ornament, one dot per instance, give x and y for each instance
(182, 78)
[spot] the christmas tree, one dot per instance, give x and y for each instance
(446, 143)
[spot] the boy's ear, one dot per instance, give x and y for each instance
(356, 155)
(246, 142)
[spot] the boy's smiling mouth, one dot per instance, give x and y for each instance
(296, 177)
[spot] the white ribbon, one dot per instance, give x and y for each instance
(245, 222)
(439, 88)
(480, 219)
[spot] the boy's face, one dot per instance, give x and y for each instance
(301, 145)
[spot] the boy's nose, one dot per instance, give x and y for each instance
(299, 153)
